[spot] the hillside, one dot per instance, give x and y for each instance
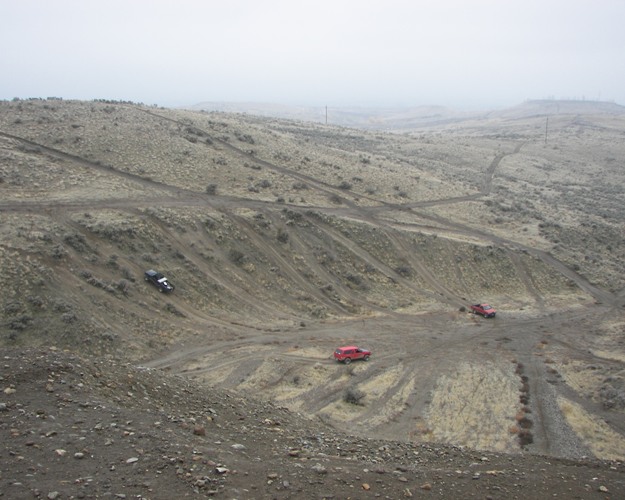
(285, 239)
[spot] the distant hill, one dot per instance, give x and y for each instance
(407, 118)
(372, 118)
(544, 107)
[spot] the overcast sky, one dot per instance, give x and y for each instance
(457, 53)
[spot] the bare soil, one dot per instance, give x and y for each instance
(285, 240)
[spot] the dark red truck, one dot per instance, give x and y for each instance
(485, 310)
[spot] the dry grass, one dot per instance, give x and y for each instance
(476, 404)
(604, 442)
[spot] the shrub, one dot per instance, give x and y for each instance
(61, 306)
(283, 236)
(13, 308)
(525, 422)
(353, 396)
(36, 301)
(58, 252)
(236, 256)
(244, 137)
(21, 322)
(77, 241)
(356, 279)
(123, 286)
(211, 189)
(69, 317)
(148, 257)
(404, 271)
(169, 307)
(112, 262)
(292, 215)
(525, 437)
(127, 274)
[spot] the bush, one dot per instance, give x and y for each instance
(211, 189)
(283, 236)
(356, 279)
(404, 271)
(244, 137)
(77, 241)
(292, 215)
(353, 396)
(236, 256)
(58, 252)
(21, 322)
(148, 258)
(525, 437)
(169, 307)
(127, 274)
(69, 317)
(123, 286)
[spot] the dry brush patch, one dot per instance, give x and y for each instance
(476, 405)
(302, 383)
(604, 442)
(388, 410)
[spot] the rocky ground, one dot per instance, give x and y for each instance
(76, 427)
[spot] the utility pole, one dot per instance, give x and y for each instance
(546, 129)
(326, 115)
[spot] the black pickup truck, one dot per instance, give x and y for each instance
(158, 280)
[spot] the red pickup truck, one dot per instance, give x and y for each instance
(485, 310)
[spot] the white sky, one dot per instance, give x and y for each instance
(457, 53)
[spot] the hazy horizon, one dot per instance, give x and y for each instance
(480, 54)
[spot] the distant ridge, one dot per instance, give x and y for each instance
(562, 107)
(373, 118)
(405, 118)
